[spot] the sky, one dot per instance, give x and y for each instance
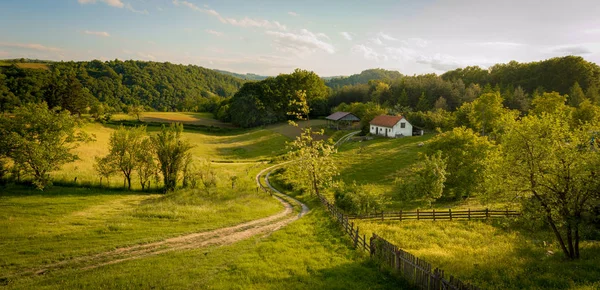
(328, 37)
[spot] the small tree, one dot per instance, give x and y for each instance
(136, 111)
(172, 152)
(125, 149)
(40, 140)
(208, 176)
(426, 179)
(146, 163)
(105, 168)
(313, 166)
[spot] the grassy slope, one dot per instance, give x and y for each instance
(311, 253)
(244, 146)
(60, 223)
(496, 255)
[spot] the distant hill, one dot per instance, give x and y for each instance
(156, 85)
(363, 78)
(248, 76)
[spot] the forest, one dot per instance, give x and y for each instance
(115, 84)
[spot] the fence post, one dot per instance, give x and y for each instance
(356, 238)
(487, 213)
(450, 212)
(469, 215)
(418, 217)
(507, 212)
(433, 214)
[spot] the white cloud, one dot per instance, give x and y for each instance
(369, 53)
(97, 33)
(301, 43)
(323, 35)
(500, 44)
(113, 3)
(568, 50)
(33, 46)
(386, 36)
(293, 13)
(376, 40)
(146, 56)
(130, 8)
(244, 22)
(346, 35)
(418, 42)
(216, 33)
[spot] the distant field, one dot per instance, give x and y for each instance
(291, 132)
(205, 119)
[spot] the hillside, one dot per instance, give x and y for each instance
(363, 78)
(247, 76)
(158, 86)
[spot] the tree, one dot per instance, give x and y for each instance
(146, 163)
(465, 154)
(441, 104)
(136, 111)
(576, 95)
(172, 152)
(488, 113)
(105, 168)
(426, 179)
(313, 166)
(593, 94)
(125, 149)
(40, 140)
(553, 167)
(358, 199)
(550, 103)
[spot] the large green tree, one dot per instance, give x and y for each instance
(554, 169)
(40, 140)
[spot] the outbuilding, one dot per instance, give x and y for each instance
(341, 120)
(391, 126)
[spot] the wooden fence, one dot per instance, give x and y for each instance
(388, 255)
(413, 269)
(437, 215)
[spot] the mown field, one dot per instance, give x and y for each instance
(204, 119)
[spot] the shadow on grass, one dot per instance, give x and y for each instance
(14, 190)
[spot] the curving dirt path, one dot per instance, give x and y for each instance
(222, 236)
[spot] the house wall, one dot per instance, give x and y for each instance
(393, 132)
(406, 131)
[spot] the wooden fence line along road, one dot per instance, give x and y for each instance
(438, 215)
(416, 271)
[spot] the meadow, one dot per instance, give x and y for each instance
(203, 119)
(49, 236)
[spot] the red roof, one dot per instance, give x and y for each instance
(386, 121)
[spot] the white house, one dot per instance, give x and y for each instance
(391, 126)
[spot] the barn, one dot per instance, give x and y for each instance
(390, 126)
(341, 120)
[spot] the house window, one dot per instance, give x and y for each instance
(402, 125)
(372, 128)
(389, 130)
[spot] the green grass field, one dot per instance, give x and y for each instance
(311, 253)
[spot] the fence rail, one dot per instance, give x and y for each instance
(413, 269)
(438, 215)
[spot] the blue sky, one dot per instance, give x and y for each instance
(328, 37)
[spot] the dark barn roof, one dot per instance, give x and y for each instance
(346, 116)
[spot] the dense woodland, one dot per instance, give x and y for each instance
(79, 85)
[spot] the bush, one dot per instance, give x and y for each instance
(358, 199)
